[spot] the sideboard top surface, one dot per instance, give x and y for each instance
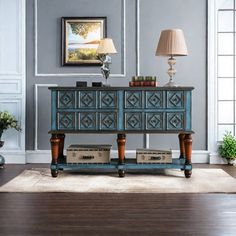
(122, 88)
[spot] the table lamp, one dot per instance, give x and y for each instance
(171, 43)
(105, 48)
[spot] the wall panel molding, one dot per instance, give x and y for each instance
(36, 103)
(123, 46)
(12, 75)
(7, 10)
(10, 86)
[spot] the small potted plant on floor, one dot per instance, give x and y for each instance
(7, 121)
(228, 148)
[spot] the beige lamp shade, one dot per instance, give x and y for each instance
(172, 43)
(106, 46)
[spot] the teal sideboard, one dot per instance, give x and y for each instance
(121, 110)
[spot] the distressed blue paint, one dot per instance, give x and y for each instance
(154, 99)
(177, 164)
(108, 99)
(120, 110)
(54, 110)
(66, 99)
(188, 103)
(133, 99)
(154, 121)
(175, 99)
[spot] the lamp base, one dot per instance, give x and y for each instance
(106, 85)
(171, 84)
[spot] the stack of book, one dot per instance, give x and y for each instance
(143, 81)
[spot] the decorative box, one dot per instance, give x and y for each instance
(88, 154)
(153, 156)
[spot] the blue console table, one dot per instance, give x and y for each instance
(120, 110)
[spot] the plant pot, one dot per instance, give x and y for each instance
(231, 162)
(1, 143)
(2, 159)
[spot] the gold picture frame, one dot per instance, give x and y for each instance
(80, 39)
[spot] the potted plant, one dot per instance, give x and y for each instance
(228, 148)
(7, 121)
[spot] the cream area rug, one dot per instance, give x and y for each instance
(172, 181)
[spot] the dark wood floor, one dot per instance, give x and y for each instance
(115, 214)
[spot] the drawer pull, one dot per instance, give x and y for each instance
(87, 157)
(156, 158)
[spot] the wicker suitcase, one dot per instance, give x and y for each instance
(153, 156)
(88, 154)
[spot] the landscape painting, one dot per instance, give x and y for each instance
(80, 39)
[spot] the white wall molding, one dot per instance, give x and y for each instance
(89, 75)
(214, 158)
(44, 156)
(145, 136)
(212, 82)
(10, 86)
(12, 78)
(14, 157)
(36, 88)
(13, 13)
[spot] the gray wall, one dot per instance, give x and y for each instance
(155, 15)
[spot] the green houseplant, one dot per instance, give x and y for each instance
(7, 121)
(228, 148)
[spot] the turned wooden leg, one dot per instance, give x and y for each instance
(55, 146)
(61, 145)
(121, 139)
(181, 146)
(188, 153)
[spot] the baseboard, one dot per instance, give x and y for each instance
(44, 156)
(214, 158)
(14, 157)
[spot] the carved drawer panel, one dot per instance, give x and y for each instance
(154, 99)
(108, 121)
(133, 121)
(87, 99)
(133, 99)
(108, 99)
(175, 120)
(175, 99)
(66, 120)
(154, 121)
(87, 121)
(66, 99)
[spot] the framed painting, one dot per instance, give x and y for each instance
(80, 39)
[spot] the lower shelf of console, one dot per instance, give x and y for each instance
(130, 164)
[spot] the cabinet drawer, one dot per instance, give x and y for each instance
(133, 120)
(65, 120)
(133, 99)
(154, 99)
(154, 121)
(97, 120)
(108, 121)
(66, 99)
(87, 99)
(108, 99)
(87, 121)
(175, 120)
(175, 99)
